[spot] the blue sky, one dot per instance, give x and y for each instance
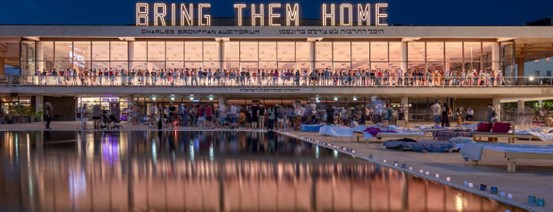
(406, 12)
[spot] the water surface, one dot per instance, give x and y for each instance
(205, 171)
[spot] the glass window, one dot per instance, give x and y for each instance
(211, 65)
(303, 51)
(175, 51)
(175, 64)
(340, 66)
(454, 51)
(119, 65)
(156, 51)
(64, 51)
(360, 51)
(100, 51)
(342, 51)
(416, 51)
(100, 65)
(304, 66)
(193, 65)
(119, 51)
(286, 51)
(267, 65)
(193, 51)
(323, 51)
(47, 50)
(81, 52)
(287, 66)
(232, 51)
(267, 51)
(139, 65)
(395, 51)
(323, 65)
(211, 51)
(248, 51)
(487, 48)
(379, 51)
(379, 66)
(156, 65)
(249, 67)
(436, 66)
(473, 51)
(435, 51)
(139, 51)
(231, 65)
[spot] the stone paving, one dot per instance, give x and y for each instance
(532, 176)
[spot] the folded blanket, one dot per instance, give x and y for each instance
(473, 151)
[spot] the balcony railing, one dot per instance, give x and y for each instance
(288, 81)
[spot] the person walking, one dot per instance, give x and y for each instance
(48, 112)
(446, 112)
(436, 110)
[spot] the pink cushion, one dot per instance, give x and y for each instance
(484, 127)
(501, 127)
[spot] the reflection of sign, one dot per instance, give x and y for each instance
(270, 90)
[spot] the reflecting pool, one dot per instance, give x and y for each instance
(205, 171)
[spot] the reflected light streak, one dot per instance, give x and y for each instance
(460, 203)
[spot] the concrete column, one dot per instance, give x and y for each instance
(221, 55)
(520, 112)
(130, 55)
(222, 103)
(39, 105)
(404, 65)
(496, 103)
(520, 70)
(313, 54)
(39, 56)
(405, 104)
(495, 57)
(130, 100)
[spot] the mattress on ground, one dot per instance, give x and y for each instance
(311, 128)
(421, 146)
(336, 131)
(521, 148)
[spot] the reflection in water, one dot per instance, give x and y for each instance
(205, 171)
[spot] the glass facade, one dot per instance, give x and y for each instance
(269, 55)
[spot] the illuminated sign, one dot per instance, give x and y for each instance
(163, 14)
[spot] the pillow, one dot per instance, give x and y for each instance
(484, 127)
(501, 127)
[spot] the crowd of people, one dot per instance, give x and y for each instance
(266, 77)
(276, 117)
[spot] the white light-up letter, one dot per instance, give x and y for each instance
(343, 7)
(173, 14)
(293, 14)
(186, 14)
(201, 16)
(380, 15)
(260, 15)
(273, 15)
(160, 11)
(331, 15)
(363, 14)
(239, 8)
(142, 14)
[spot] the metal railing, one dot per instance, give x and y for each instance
(274, 81)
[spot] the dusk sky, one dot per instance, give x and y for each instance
(405, 12)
